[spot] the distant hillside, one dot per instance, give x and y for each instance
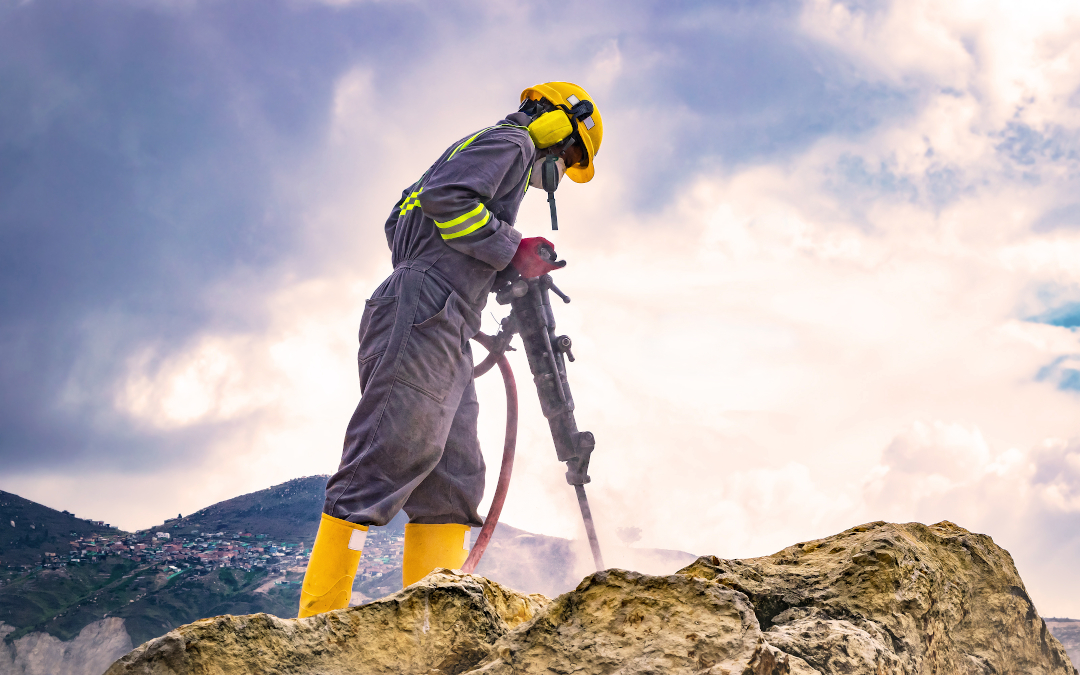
(1067, 631)
(135, 577)
(28, 530)
(152, 601)
(289, 511)
(138, 578)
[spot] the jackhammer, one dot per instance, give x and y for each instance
(531, 317)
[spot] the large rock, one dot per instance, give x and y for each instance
(883, 598)
(626, 622)
(877, 599)
(443, 624)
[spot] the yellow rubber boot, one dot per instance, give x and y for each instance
(332, 566)
(431, 546)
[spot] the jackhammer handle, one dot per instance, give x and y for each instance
(549, 283)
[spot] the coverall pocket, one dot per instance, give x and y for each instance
(434, 351)
(375, 328)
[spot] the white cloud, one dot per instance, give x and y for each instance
(948, 452)
(1027, 499)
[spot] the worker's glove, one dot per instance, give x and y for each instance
(535, 256)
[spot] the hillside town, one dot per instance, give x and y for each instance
(201, 552)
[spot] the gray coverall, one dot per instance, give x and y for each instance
(412, 441)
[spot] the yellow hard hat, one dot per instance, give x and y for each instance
(591, 129)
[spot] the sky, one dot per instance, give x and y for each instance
(828, 271)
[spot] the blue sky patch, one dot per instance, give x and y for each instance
(1066, 316)
(1060, 374)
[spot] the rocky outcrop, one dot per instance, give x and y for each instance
(877, 599)
(626, 622)
(884, 598)
(444, 624)
(89, 653)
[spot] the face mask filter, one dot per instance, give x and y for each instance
(551, 170)
(536, 178)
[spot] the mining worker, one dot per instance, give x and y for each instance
(412, 441)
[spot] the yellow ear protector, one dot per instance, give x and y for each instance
(556, 123)
(550, 128)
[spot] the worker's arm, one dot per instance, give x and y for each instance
(455, 196)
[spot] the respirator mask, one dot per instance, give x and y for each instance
(536, 178)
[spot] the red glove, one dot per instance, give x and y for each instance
(535, 256)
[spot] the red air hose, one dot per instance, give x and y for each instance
(509, 446)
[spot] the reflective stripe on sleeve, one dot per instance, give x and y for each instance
(412, 201)
(466, 223)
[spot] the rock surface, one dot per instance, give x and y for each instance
(444, 624)
(895, 599)
(877, 599)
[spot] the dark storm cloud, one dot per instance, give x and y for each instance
(137, 149)
(139, 144)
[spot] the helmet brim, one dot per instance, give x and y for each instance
(584, 174)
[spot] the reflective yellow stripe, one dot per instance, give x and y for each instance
(467, 143)
(470, 229)
(412, 201)
(466, 223)
(477, 134)
(460, 219)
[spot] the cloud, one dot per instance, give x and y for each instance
(1028, 498)
(134, 145)
(1067, 216)
(823, 276)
